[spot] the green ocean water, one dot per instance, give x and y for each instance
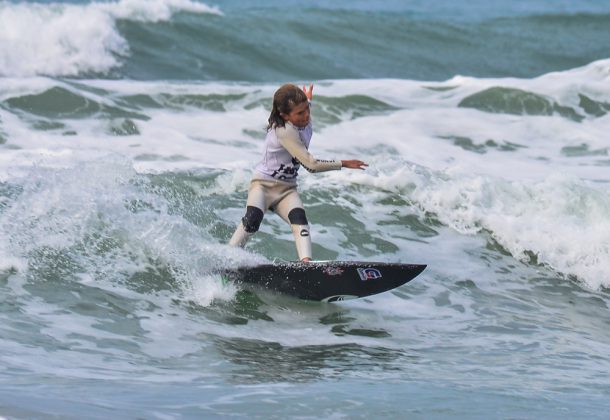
(128, 134)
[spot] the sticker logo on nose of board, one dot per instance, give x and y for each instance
(369, 273)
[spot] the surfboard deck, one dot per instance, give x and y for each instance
(326, 281)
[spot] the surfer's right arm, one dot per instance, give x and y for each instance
(290, 140)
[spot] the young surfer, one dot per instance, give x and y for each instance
(274, 184)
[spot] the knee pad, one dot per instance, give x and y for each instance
(252, 220)
(297, 217)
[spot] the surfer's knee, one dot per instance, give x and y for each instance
(253, 218)
(297, 216)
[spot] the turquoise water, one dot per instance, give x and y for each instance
(128, 130)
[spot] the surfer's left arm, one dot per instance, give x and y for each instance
(354, 164)
(289, 139)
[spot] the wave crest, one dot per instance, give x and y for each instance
(561, 222)
(69, 40)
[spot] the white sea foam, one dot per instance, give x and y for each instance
(66, 40)
(429, 123)
(534, 200)
(154, 10)
(561, 221)
(83, 213)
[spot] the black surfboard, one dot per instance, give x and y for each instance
(327, 281)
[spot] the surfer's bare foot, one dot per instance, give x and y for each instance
(306, 259)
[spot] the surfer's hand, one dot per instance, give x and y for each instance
(308, 92)
(353, 164)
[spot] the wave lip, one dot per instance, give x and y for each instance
(69, 40)
(560, 222)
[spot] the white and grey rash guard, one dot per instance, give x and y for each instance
(286, 149)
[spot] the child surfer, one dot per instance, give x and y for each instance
(274, 184)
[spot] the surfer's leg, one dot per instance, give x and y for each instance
(249, 226)
(253, 217)
(300, 230)
(290, 208)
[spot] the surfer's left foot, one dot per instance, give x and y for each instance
(306, 259)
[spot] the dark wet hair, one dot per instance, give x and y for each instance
(284, 100)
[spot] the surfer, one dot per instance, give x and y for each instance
(274, 184)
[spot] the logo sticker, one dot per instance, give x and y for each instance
(369, 274)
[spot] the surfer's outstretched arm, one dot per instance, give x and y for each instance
(354, 164)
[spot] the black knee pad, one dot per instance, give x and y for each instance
(297, 217)
(253, 218)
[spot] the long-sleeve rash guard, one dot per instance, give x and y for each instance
(286, 149)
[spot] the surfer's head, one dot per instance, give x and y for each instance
(289, 104)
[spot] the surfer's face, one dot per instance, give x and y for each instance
(299, 116)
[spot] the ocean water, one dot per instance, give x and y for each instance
(128, 133)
